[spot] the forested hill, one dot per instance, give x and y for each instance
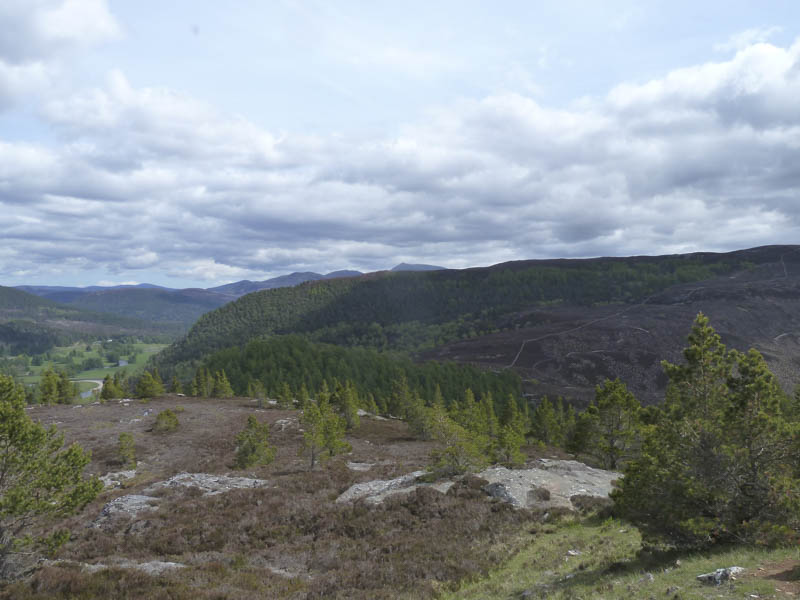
(31, 324)
(421, 310)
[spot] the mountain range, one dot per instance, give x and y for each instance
(563, 325)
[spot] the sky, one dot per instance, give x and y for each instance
(193, 143)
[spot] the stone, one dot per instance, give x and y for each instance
(129, 505)
(720, 576)
(209, 484)
(375, 492)
(114, 480)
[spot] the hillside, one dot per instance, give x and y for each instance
(32, 324)
(179, 308)
(420, 311)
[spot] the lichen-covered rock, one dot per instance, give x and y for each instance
(375, 492)
(208, 484)
(130, 505)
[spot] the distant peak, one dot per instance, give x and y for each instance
(417, 267)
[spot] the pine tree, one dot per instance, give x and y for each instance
(612, 426)
(513, 427)
(66, 389)
(459, 450)
(148, 386)
(252, 445)
(222, 387)
(719, 463)
(39, 476)
(48, 387)
(175, 385)
(285, 399)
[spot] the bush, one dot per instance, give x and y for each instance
(720, 463)
(166, 421)
(252, 445)
(127, 450)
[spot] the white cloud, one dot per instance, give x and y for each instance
(36, 36)
(703, 158)
(748, 37)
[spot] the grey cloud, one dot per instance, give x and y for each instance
(148, 179)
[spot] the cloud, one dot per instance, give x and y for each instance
(748, 37)
(148, 180)
(37, 34)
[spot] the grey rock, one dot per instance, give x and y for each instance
(114, 480)
(209, 484)
(130, 505)
(550, 483)
(375, 492)
(720, 575)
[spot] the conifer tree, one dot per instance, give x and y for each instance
(222, 387)
(719, 463)
(48, 387)
(611, 424)
(252, 445)
(39, 476)
(175, 385)
(285, 399)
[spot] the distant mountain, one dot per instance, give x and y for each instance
(339, 274)
(413, 267)
(175, 307)
(32, 324)
(240, 288)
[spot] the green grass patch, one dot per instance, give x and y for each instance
(590, 558)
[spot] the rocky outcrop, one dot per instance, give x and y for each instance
(549, 483)
(375, 492)
(133, 504)
(210, 485)
(130, 505)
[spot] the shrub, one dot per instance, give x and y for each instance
(252, 445)
(127, 450)
(166, 421)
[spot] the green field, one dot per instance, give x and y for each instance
(62, 357)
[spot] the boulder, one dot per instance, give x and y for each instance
(720, 576)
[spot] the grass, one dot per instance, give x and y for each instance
(60, 354)
(593, 558)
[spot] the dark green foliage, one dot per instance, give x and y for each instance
(38, 476)
(412, 311)
(294, 361)
(127, 450)
(252, 445)
(323, 429)
(553, 423)
(149, 385)
(720, 463)
(460, 450)
(166, 421)
(56, 388)
(222, 387)
(513, 427)
(175, 386)
(610, 426)
(33, 325)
